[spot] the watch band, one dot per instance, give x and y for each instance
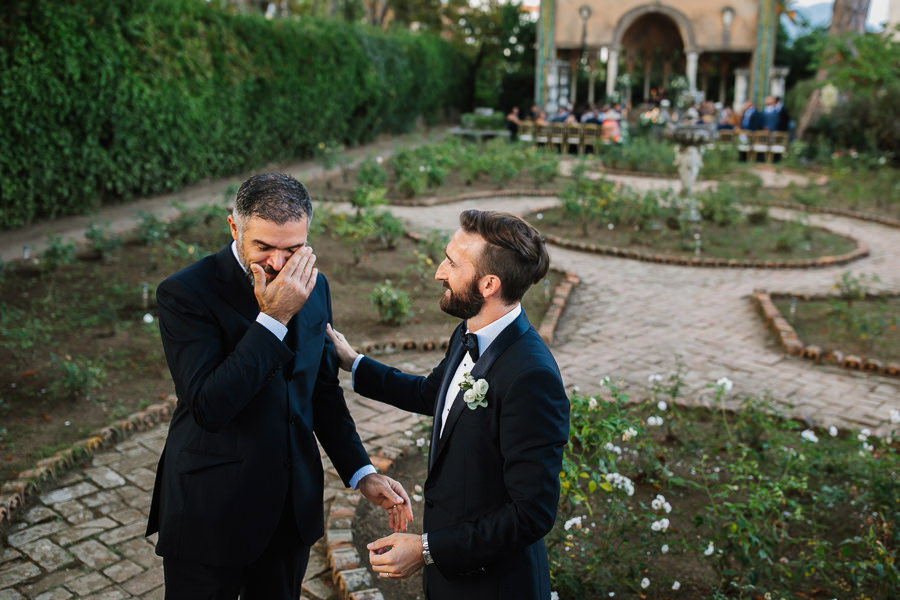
(426, 551)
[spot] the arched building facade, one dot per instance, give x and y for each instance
(729, 42)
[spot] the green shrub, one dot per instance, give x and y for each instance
(372, 173)
(388, 228)
(102, 240)
(393, 305)
(59, 252)
(721, 205)
(75, 378)
(151, 230)
(108, 99)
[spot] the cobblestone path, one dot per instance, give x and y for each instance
(626, 320)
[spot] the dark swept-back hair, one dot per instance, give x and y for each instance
(274, 197)
(515, 251)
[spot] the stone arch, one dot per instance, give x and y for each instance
(683, 23)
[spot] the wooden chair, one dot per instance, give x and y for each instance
(526, 132)
(574, 138)
(725, 136)
(778, 145)
(541, 135)
(759, 145)
(558, 135)
(590, 134)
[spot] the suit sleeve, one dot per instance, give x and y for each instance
(534, 429)
(412, 393)
(214, 383)
(333, 425)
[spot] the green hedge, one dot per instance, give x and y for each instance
(101, 100)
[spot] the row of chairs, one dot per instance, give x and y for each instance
(757, 145)
(565, 137)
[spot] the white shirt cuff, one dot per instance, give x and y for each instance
(359, 357)
(277, 328)
(366, 470)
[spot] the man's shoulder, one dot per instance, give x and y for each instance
(529, 352)
(197, 275)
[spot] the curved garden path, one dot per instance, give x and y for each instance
(83, 537)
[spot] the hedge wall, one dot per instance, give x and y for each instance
(101, 100)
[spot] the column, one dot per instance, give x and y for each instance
(777, 83)
(741, 77)
(692, 58)
(764, 53)
(544, 55)
(612, 71)
(574, 60)
(723, 78)
(592, 75)
(648, 68)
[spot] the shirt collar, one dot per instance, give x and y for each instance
(236, 257)
(489, 332)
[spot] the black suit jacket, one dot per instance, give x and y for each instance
(250, 408)
(493, 481)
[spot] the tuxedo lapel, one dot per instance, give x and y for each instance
(234, 285)
(513, 331)
(454, 353)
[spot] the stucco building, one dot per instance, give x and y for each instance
(728, 43)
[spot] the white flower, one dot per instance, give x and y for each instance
(676, 586)
(863, 434)
(620, 482)
(868, 447)
(379, 159)
(470, 396)
(573, 522)
(592, 403)
(613, 448)
(417, 497)
(664, 549)
(148, 318)
(645, 583)
(660, 525)
(725, 383)
(421, 168)
(420, 442)
(658, 502)
(655, 378)
(629, 433)
(810, 436)
(661, 405)
(654, 421)
(468, 379)
(540, 216)
(605, 380)
(480, 387)
(554, 596)
(895, 416)
(709, 549)
(408, 433)
(833, 431)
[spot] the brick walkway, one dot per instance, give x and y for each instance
(627, 319)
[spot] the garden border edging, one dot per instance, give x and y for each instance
(792, 344)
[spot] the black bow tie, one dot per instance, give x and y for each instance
(470, 342)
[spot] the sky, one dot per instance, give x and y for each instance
(878, 10)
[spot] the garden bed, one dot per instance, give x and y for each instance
(753, 505)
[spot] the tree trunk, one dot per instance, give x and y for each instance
(848, 16)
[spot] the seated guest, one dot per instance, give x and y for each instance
(533, 113)
(770, 114)
(609, 128)
(560, 116)
(541, 119)
(726, 119)
(784, 119)
(512, 123)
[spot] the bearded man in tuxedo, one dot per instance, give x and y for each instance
(501, 420)
(238, 494)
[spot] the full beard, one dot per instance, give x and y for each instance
(465, 303)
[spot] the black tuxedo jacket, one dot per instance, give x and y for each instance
(493, 480)
(250, 407)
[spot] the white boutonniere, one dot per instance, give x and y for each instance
(474, 391)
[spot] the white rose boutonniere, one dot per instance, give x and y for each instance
(474, 391)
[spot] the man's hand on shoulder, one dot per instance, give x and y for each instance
(284, 296)
(389, 495)
(346, 354)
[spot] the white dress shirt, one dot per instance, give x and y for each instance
(279, 330)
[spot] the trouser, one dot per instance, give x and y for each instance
(276, 575)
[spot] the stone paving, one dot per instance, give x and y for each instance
(627, 320)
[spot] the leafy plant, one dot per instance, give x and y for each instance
(151, 230)
(371, 173)
(721, 206)
(59, 252)
(393, 305)
(388, 228)
(585, 200)
(75, 378)
(103, 241)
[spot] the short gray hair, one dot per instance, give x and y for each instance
(274, 197)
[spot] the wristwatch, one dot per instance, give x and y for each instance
(426, 552)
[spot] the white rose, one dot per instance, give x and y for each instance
(470, 396)
(480, 387)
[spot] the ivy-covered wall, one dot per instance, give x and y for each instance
(101, 100)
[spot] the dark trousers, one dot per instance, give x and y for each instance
(276, 575)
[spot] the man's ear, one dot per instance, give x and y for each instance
(489, 286)
(233, 225)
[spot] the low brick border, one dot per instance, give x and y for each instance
(840, 212)
(862, 250)
(15, 493)
(795, 347)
